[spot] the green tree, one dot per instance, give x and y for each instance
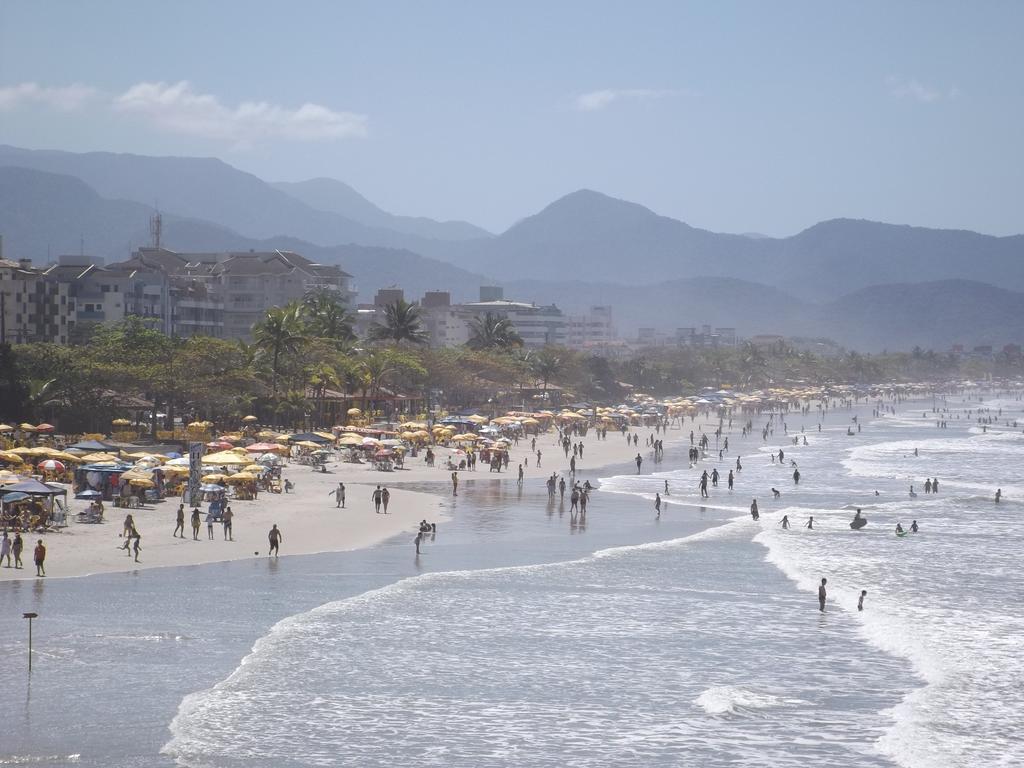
(493, 332)
(401, 323)
(548, 364)
(14, 390)
(278, 334)
(326, 318)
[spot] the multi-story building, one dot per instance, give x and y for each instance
(448, 324)
(32, 307)
(98, 294)
(593, 330)
(224, 293)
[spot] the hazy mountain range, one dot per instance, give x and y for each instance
(865, 284)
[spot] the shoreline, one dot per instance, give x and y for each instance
(309, 520)
(308, 517)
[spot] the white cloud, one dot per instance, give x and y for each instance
(180, 109)
(597, 100)
(64, 98)
(912, 88)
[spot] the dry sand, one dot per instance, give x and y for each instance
(307, 517)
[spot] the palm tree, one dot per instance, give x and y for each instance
(401, 323)
(325, 316)
(547, 364)
(279, 333)
(493, 332)
(293, 408)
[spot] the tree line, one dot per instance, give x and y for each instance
(304, 350)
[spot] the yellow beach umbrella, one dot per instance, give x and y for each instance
(11, 458)
(6, 428)
(226, 458)
(353, 412)
(350, 440)
(216, 477)
(240, 477)
(250, 419)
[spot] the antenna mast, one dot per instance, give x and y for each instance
(156, 228)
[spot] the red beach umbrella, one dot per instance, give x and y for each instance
(51, 465)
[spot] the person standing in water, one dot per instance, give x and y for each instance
(796, 477)
(860, 600)
(455, 483)
(913, 527)
(730, 479)
(754, 511)
(785, 522)
(275, 539)
(810, 523)
(999, 494)
(822, 594)
(639, 460)
(657, 504)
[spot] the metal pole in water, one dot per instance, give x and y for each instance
(29, 616)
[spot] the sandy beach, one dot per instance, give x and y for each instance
(308, 517)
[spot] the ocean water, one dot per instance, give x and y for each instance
(526, 637)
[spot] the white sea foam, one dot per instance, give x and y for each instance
(731, 700)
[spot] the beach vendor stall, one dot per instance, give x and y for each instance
(29, 505)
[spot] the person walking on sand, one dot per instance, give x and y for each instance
(16, 548)
(657, 504)
(5, 550)
(129, 526)
(377, 497)
(860, 600)
(137, 546)
(227, 519)
(822, 594)
(195, 524)
(275, 539)
(39, 556)
(639, 460)
(385, 498)
(180, 519)
(339, 496)
(455, 483)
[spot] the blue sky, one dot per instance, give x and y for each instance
(732, 116)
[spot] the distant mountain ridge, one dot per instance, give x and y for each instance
(338, 197)
(210, 189)
(44, 215)
(865, 284)
(589, 235)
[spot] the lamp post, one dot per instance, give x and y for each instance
(29, 616)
